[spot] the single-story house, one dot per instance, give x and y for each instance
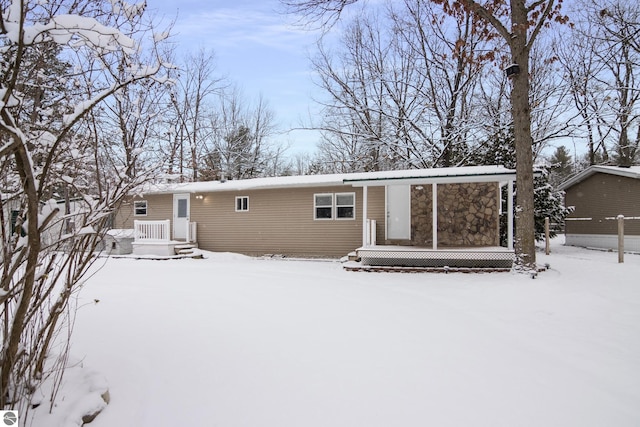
(385, 217)
(599, 194)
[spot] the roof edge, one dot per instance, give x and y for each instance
(591, 170)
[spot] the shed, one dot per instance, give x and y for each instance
(599, 194)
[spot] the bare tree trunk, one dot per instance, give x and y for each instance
(524, 217)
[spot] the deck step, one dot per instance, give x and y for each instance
(184, 249)
(353, 256)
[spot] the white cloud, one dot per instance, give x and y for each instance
(232, 28)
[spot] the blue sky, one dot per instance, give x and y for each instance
(258, 48)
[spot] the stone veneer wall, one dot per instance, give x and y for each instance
(467, 215)
(421, 216)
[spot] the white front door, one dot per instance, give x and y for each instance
(181, 211)
(399, 212)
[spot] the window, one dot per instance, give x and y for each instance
(335, 206)
(323, 206)
(242, 203)
(140, 208)
(345, 205)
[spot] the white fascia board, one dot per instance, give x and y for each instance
(431, 180)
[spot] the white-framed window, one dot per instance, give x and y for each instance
(345, 205)
(140, 208)
(242, 203)
(323, 206)
(334, 206)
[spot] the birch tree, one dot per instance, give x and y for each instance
(45, 254)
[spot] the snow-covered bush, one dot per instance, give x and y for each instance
(59, 180)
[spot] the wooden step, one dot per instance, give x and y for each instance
(184, 249)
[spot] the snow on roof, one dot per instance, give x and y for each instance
(471, 172)
(629, 172)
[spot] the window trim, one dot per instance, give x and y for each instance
(334, 206)
(136, 208)
(242, 199)
(315, 206)
(353, 217)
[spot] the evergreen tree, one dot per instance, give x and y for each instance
(547, 201)
(561, 166)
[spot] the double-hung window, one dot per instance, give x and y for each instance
(323, 206)
(345, 205)
(242, 203)
(334, 206)
(140, 208)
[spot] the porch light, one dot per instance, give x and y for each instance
(199, 196)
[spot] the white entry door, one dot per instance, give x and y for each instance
(181, 213)
(398, 212)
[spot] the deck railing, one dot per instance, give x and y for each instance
(157, 231)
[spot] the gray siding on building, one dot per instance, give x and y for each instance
(602, 196)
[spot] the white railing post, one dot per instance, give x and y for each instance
(166, 227)
(367, 234)
(193, 232)
(372, 232)
(136, 230)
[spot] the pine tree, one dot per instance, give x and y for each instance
(561, 166)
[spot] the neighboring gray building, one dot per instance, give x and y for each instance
(599, 194)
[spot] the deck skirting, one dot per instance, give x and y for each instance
(410, 256)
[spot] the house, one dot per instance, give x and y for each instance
(599, 194)
(385, 217)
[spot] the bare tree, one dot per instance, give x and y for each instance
(616, 26)
(240, 141)
(44, 152)
(401, 88)
(195, 87)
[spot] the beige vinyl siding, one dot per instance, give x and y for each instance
(279, 221)
(159, 207)
(377, 211)
(603, 196)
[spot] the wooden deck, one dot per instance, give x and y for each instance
(493, 257)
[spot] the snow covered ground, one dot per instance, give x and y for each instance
(232, 341)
